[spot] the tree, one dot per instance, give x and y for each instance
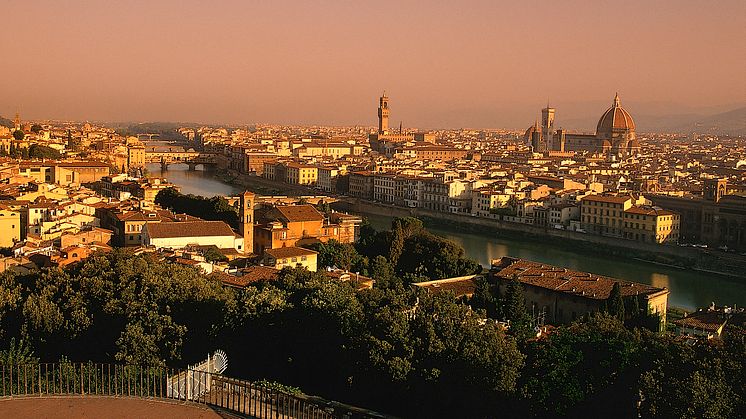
(514, 309)
(401, 230)
(36, 128)
(383, 273)
(484, 298)
(214, 209)
(19, 353)
(428, 256)
(324, 207)
(341, 255)
(19, 135)
(214, 255)
(615, 303)
(690, 382)
(40, 151)
(586, 369)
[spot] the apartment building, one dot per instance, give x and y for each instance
(10, 226)
(604, 214)
(328, 177)
(361, 184)
(651, 225)
(301, 174)
(485, 202)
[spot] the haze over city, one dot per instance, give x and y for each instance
(450, 64)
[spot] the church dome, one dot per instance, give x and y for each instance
(528, 135)
(615, 119)
(529, 132)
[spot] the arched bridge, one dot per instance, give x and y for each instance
(192, 158)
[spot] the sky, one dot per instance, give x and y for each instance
(444, 64)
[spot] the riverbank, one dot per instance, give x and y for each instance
(710, 262)
(701, 260)
(262, 186)
(689, 288)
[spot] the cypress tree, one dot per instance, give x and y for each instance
(615, 303)
(514, 305)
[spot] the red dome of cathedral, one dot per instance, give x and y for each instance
(615, 119)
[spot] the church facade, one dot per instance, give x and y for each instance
(615, 134)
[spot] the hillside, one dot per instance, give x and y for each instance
(729, 123)
(732, 123)
(6, 122)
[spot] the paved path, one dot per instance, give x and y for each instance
(104, 407)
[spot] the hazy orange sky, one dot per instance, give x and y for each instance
(444, 64)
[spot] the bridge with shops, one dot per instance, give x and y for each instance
(175, 156)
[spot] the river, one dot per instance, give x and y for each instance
(689, 289)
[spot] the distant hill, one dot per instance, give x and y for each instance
(6, 122)
(166, 130)
(731, 122)
(728, 123)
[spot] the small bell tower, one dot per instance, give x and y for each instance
(247, 221)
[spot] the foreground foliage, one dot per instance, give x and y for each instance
(392, 348)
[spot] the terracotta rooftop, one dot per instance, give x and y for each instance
(288, 252)
(296, 213)
(608, 198)
(460, 286)
(565, 280)
(649, 211)
(248, 276)
(188, 229)
(709, 321)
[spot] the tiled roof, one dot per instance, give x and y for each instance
(564, 280)
(188, 229)
(608, 198)
(709, 321)
(649, 211)
(288, 252)
(459, 286)
(294, 213)
(251, 274)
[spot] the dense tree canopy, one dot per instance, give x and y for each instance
(43, 152)
(394, 348)
(213, 209)
(414, 253)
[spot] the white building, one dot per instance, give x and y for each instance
(177, 235)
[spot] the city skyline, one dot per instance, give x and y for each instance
(479, 66)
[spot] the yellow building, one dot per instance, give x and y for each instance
(135, 155)
(651, 225)
(301, 174)
(10, 226)
(604, 214)
(291, 257)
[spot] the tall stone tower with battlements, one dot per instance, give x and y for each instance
(383, 114)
